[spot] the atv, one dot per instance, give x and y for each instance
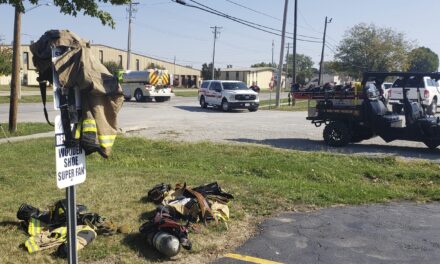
(359, 113)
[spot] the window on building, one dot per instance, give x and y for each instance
(227, 75)
(236, 75)
(137, 65)
(25, 60)
(120, 61)
(101, 56)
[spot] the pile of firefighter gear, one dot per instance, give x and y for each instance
(47, 229)
(94, 126)
(178, 209)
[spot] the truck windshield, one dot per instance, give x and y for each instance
(412, 82)
(234, 86)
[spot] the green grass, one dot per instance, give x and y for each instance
(184, 92)
(300, 105)
(23, 88)
(26, 99)
(24, 129)
(263, 180)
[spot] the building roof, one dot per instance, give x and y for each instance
(121, 50)
(142, 55)
(248, 69)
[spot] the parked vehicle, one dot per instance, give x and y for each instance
(147, 85)
(228, 95)
(425, 90)
(355, 116)
(385, 91)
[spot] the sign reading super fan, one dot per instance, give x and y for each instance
(70, 162)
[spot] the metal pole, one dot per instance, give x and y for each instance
(71, 225)
(294, 44)
(322, 53)
(280, 67)
(15, 81)
(129, 35)
(213, 51)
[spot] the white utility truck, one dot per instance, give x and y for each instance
(428, 93)
(146, 85)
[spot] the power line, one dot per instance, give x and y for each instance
(253, 10)
(241, 21)
(267, 15)
(349, 63)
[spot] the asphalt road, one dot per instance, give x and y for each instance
(183, 119)
(392, 234)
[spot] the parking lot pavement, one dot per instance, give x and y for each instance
(389, 233)
(183, 119)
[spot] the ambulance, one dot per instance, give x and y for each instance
(146, 85)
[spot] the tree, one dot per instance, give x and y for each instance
(370, 48)
(152, 65)
(73, 7)
(207, 72)
(422, 60)
(5, 61)
(263, 64)
(304, 68)
(113, 67)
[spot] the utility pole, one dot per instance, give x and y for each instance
(294, 43)
(174, 63)
(280, 67)
(130, 11)
(287, 65)
(322, 53)
(216, 31)
(15, 81)
(273, 45)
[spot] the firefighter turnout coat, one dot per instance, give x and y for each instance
(101, 95)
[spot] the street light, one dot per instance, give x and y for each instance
(32, 8)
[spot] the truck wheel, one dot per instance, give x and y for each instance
(397, 108)
(160, 99)
(432, 108)
(253, 109)
(336, 134)
(203, 103)
(225, 105)
(139, 96)
(432, 144)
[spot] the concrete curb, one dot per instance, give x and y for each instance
(28, 137)
(51, 134)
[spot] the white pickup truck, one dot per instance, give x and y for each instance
(228, 95)
(429, 94)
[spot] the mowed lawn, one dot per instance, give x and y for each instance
(24, 129)
(264, 181)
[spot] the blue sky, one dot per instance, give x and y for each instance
(164, 29)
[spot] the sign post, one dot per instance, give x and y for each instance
(70, 165)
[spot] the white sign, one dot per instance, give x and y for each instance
(70, 162)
